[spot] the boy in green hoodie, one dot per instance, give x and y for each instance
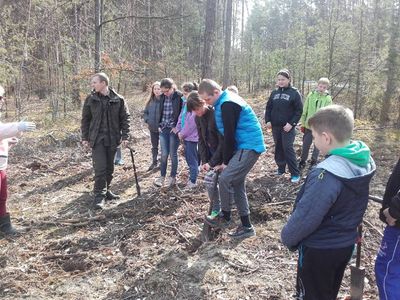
(329, 206)
(315, 100)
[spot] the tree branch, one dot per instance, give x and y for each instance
(144, 18)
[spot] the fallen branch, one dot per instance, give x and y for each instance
(65, 256)
(177, 230)
(373, 227)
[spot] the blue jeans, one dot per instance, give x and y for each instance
(169, 143)
(118, 155)
(191, 157)
(387, 265)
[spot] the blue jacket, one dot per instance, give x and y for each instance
(330, 205)
(248, 134)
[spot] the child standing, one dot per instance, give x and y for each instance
(315, 100)
(170, 109)
(210, 146)
(282, 114)
(329, 206)
(387, 265)
(151, 117)
(187, 132)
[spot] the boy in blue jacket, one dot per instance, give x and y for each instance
(329, 206)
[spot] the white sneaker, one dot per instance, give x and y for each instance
(171, 181)
(190, 185)
(159, 181)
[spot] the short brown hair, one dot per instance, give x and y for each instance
(324, 80)
(335, 119)
(103, 77)
(167, 83)
(208, 86)
(194, 101)
(189, 86)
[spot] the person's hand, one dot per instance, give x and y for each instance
(85, 144)
(269, 126)
(174, 130)
(389, 219)
(220, 168)
(13, 141)
(206, 167)
(124, 143)
(26, 126)
(287, 127)
(180, 136)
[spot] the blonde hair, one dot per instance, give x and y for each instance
(324, 80)
(103, 77)
(335, 119)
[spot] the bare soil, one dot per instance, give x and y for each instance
(149, 247)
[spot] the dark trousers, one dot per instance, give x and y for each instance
(284, 151)
(307, 141)
(155, 139)
(103, 165)
(320, 272)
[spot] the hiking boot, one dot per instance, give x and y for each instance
(242, 232)
(99, 202)
(6, 227)
(302, 164)
(217, 222)
(171, 182)
(152, 167)
(159, 181)
(295, 179)
(111, 196)
(190, 185)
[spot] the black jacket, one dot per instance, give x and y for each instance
(118, 118)
(284, 106)
(176, 106)
(391, 198)
(210, 141)
(151, 114)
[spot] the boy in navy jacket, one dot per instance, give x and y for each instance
(329, 206)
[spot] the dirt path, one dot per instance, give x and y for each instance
(148, 247)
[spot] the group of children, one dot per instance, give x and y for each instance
(222, 136)
(333, 199)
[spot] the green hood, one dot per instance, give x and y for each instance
(357, 152)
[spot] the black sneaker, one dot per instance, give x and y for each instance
(99, 202)
(242, 232)
(217, 222)
(302, 164)
(152, 167)
(111, 196)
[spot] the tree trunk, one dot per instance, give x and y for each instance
(359, 67)
(97, 30)
(392, 65)
(228, 38)
(209, 38)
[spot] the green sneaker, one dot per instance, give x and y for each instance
(214, 214)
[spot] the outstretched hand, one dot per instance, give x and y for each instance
(389, 219)
(26, 126)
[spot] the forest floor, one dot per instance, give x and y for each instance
(149, 247)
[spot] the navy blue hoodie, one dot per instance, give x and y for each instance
(284, 106)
